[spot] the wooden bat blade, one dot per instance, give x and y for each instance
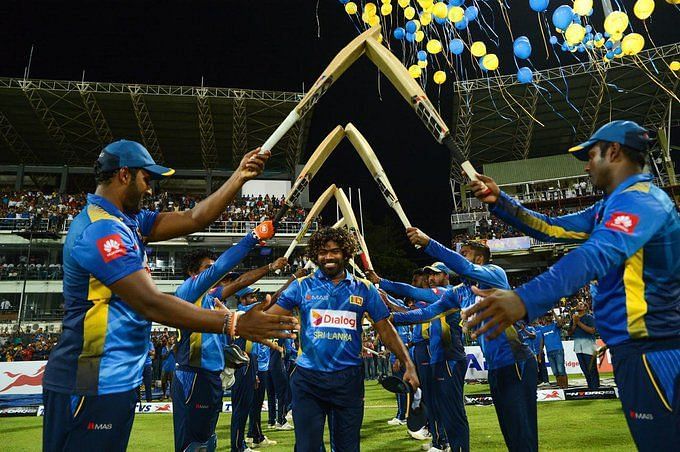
(311, 216)
(353, 226)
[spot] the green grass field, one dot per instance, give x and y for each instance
(563, 426)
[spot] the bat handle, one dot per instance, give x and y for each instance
(404, 220)
(280, 131)
(282, 211)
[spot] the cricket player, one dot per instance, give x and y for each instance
(110, 300)
(329, 379)
(631, 245)
(197, 388)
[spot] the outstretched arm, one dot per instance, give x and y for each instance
(391, 339)
(450, 302)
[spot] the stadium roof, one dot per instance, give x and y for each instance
(52, 122)
(492, 116)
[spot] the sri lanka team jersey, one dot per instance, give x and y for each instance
(631, 246)
(330, 318)
(206, 350)
(104, 343)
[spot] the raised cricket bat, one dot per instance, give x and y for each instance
(373, 164)
(344, 59)
(310, 169)
(311, 216)
(353, 227)
(399, 77)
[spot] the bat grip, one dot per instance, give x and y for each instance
(282, 211)
(280, 131)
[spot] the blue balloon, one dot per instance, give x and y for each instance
(610, 55)
(422, 55)
(410, 37)
(581, 48)
(598, 36)
(538, 5)
(522, 47)
(462, 25)
(606, 34)
(456, 2)
(481, 65)
(562, 17)
(609, 45)
(565, 47)
(589, 28)
(456, 46)
(440, 20)
(618, 51)
(471, 13)
(344, 1)
(399, 33)
(524, 75)
(411, 26)
(553, 40)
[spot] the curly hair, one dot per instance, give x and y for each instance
(192, 260)
(341, 236)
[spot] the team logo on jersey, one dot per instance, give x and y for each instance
(111, 247)
(623, 222)
(330, 318)
(357, 300)
(316, 297)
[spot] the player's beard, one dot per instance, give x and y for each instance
(133, 199)
(334, 271)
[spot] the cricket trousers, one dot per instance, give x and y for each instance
(401, 398)
(196, 405)
(255, 416)
(279, 377)
(80, 423)
(421, 358)
(449, 402)
(338, 396)
(242, 395)
(513, 389)
(647, 374)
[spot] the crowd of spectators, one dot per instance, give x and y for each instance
(26, 346)
(18, 209)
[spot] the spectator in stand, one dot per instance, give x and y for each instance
(552, 339)
(583, 331)
(167, 366)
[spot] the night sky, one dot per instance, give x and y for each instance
(269, 45)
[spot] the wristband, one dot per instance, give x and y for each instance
(227, 321)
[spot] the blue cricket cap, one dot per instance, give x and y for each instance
(437, 267)
(246, 291)
(130, 154)
(627, 133)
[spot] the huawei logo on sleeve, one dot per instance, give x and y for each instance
(623, 222)
(111, 247)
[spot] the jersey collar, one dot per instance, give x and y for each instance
(322, 276)
(109, 207)
(632, 180)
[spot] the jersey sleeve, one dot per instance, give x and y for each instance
(202, 282)
(146, 219)
(290, 298)
(107, 250)
(449, 302)
(374, 305)
(572, 228)
(407, 290)
(487, 275)
(628, 222)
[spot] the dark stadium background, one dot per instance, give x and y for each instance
(269, 45)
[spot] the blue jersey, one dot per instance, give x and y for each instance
(535, 344)
(104, 343)
(148, 355)
(330, 318)
(631, 246)
(169, 360)
(206, 350)
(263, 353)
(580, 333)
(552, 337)
(510, 347)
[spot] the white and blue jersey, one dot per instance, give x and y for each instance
(552, 338)
(330, 318)
(206, 350)
(105, 343)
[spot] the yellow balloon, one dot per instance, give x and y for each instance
(417, 22)
(373, 21)
(456, 14)
(386, 9)
(439, 77)
(425, 18)
(385, 2)
(409, 12)
(380, 38)
(490, 62)
(675, 66)
(574, 34)
(616, 22)
(583, 7)
(632, 44)
(643, 9)
(616, 37)
(351, 8)
(673, 2)
(434, 46)
(415, 71)
(404, 3)
(370, 9)
(426, 3)
(599, 43)
(419, 35)
(422, 64)
(440, 10)
(478, 49)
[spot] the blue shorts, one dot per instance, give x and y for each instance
(80, 423)
(556, 358)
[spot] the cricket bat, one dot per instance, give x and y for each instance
(309, 170)
(399, 77)
(311, 216)
(343, 60)
(353, 227)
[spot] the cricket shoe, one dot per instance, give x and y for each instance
(285, 426)
(248, 449)
(426, 446)
(396, 421)
(289, 416)
(434, 449)
(420, 435)
(265, 442)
